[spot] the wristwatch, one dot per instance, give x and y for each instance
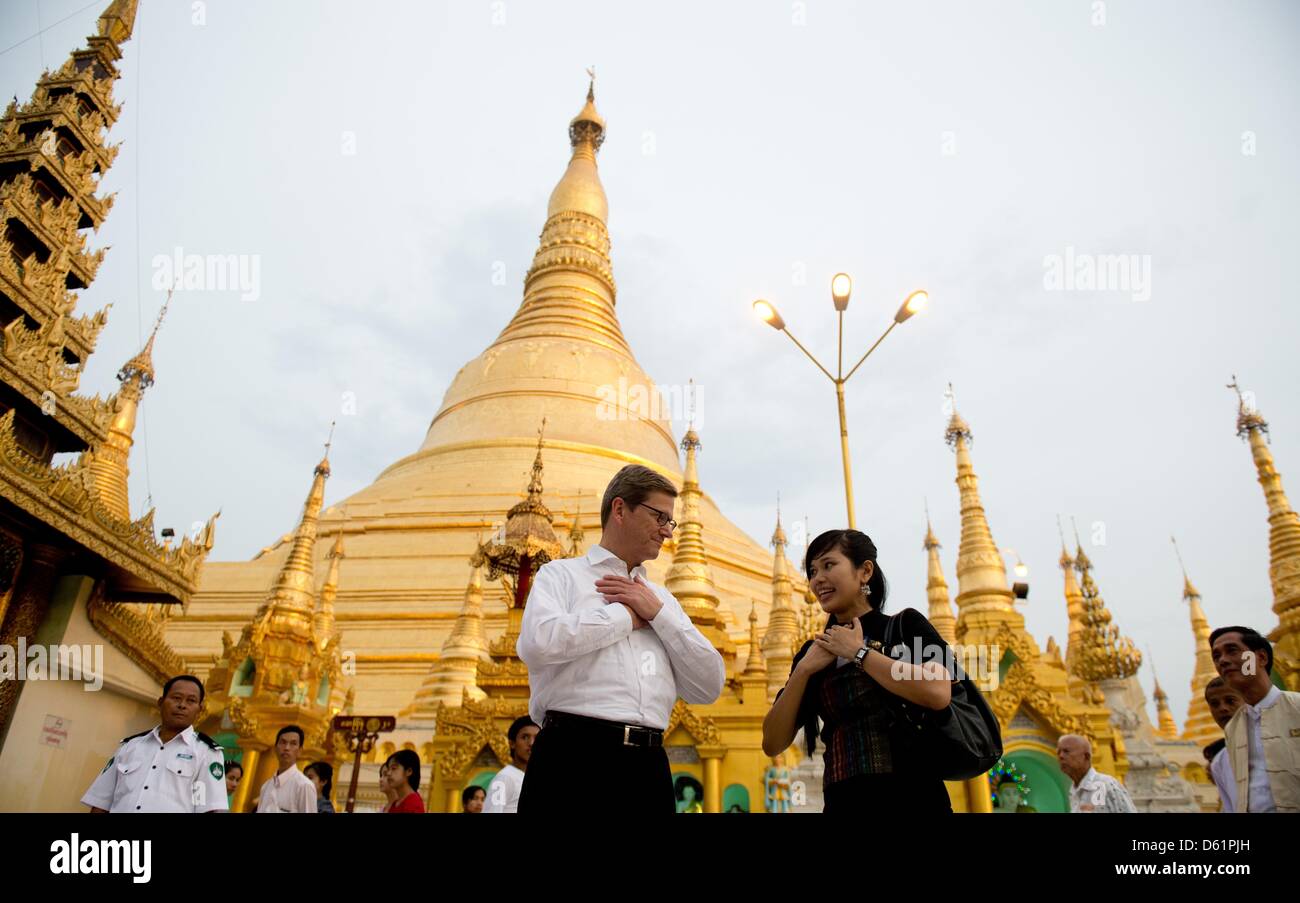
(860, 657)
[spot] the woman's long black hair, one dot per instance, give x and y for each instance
(858, 548)
(324, 771)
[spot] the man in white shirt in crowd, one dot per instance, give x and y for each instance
(503, 792)
(1264, 736)
(1223, 701)
(289, 790)
(1092, 790)
(608, 655)
(171, 768)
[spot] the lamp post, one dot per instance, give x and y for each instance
(841, 288)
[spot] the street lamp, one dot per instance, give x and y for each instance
(841, 289)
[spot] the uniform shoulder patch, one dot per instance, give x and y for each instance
(137, 736)
(218, 770)
(208, 741)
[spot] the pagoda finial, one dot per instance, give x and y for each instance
(1081, 560)
(576, 533)
(140, 368)
(118, 21)
(1066, 561)
(1105, 654)
(591, 87)
(1248, 417)
(936, 587)
(779, 541)
(1167, 728)
(957, 427)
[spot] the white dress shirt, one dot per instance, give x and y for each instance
(503, 792)
(290, 791)
(1221, 771)
(1103, 792)
(185, 774)
(1258, 786)
(585, 658)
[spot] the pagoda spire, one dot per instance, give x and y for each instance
(1104, 653)
(323, 620)
(293, 585)
(574, 241)
(107, 462)
(782, 636)
(936, 587)
(454, 675)
(1166, 727)
(755, 668)
(576, 534)
(1200, 725)
(689, 578)
(1073, 600)
(984, 600)
(1283, 542)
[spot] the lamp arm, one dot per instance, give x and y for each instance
(869, 350)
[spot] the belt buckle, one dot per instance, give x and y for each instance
(627, 735)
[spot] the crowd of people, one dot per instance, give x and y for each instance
(609, 653)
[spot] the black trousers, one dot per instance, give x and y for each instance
(572, 766)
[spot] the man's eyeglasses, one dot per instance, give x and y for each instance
(661, 516)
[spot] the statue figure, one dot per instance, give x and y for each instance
(776, 786)
(688, 792)
(297, 692)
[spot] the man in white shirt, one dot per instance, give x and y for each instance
(503, 792)
(289, 790)
(1092, 790)
(1223, 701)
(171, 768)
(608, 655)
(1264, 736)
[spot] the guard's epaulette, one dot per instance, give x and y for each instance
(208, 740)
(134, 736)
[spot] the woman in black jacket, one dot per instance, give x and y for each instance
(843, 680)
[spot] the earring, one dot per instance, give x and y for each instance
(866, 591)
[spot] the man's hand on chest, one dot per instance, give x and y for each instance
(642, 602)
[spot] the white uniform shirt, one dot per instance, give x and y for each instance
(185, 774)
(585, 658)
(291, 791)
(503, 792)
(1258, 786)
(1103, 792)
(1221, 771)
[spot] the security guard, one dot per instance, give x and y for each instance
(171, 768)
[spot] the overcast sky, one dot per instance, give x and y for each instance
(383, 161)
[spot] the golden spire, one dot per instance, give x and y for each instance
(984, 600)
(293, 586)
(1073, 598)
(454, 675)
(118, 21)
(323, 621)
(1167, 727)
(576, 534)
(936, 588)
(755, 667)
(1283, 542)
(1104, 654)
(529, 533)
(107, 462)
(689, 578)
(1200, 725)
(781, 640)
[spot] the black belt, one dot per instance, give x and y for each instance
(615, 731)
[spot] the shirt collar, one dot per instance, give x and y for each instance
(187, 735)
(1087, 780)
(598, 553)
(1270, 699)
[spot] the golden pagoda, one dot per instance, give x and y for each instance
(562, 356)
(1200, 725)
(1283, 545)
(1168, 728)
(936, 589)
(1027, 689)
(781, 639)
(75, 567)
(1104, 653)
(287, 666)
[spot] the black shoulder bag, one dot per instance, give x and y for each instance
(956, 743)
